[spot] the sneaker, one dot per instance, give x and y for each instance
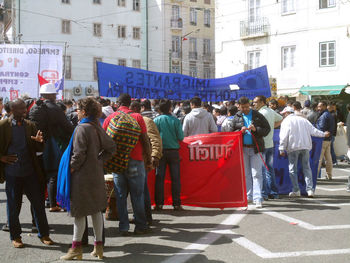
(47, 241)
(258, 204)
(294, 194)
(310, 193)
(5, 228)
(17, 243)
(125, 233)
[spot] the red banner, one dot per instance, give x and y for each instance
(212, 172)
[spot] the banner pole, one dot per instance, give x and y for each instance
(64, 68)
(39, 69)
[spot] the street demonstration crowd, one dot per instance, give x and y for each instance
(91, 154)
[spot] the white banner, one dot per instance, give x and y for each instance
(20, 64)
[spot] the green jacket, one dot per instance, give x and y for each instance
(33, 146)
(170, 130)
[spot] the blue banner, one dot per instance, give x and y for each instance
(280, 165)
(114, 80)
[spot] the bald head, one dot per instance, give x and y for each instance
(19, 109)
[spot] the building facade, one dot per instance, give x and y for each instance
(303, 43)
(182, 37)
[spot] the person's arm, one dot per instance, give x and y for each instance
(284, 135)
(179, 133)
(156, 142)
(278, 119)
(185, 127)
(261, 128)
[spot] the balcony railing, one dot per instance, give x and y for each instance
(176, 23)
(175, 54)
(207, 56)
(192, 55)
(252, 29)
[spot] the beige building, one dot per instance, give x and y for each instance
(182, 37)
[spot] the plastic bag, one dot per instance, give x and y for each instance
(340, 142)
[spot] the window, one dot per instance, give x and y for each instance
(122, 62)
(288, 57)
(175, 46)
(136, 63)
(136, 33)
(175, 12)
(253, 59)
(193, 69)
(136, 5)
(327, 54)
(206, 47)
(67, 60)
(288, 6)
(65, 2)
(193, 1)
(97, 2)
(121, 3)
(327, 3)
(207, 17)
(95, 66)
(97, 30)
(254, 10)
(65, 27)
(193, 16)
(207, 2)
(206, 70)
(121, 31)
(193, 48)
(175, 69)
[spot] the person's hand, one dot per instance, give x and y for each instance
(38, 137)
(71, 170)
(327, 134)
(252, 127)
(9, 159)
(155, 161)
(282, 153)
(340, 123)
(244, 129)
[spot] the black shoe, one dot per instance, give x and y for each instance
(132, 221)
(125, 233)
(178, 208)
(158, 208)
(143, 232)
(149, 222)
(5, 228)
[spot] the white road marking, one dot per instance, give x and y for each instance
(302, 223)
(330, 189)
(205, 241)
(264, 253)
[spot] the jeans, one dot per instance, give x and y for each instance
(170, 157)
(147, 199)
(132, 180)
(253, 174)
(269, 179)
(52, 190)
(30, 185)
(303, 156)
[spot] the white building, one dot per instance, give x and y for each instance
(90, 30)
(182, 37)
(303, 43)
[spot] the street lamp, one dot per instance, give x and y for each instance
(182, 39)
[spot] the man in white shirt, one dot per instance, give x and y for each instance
(269, 188)
(295, 139)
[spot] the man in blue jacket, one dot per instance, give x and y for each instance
(325, 122)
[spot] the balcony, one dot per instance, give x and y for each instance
(207, 56)
(177, 1)
(176, 54)
(193, 55)
(254, 29)
(176, 23)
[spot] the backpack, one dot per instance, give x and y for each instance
(125, 131)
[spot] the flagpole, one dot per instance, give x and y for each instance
(39, 69)
(64, 68)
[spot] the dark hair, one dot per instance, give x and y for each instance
(217, 110)
(290, 102)
(243, 100)
(273, 101)
(164, 106)
(124, 99)
(314, 106)
(61, 105)
(223, 110)
(67, 102)
(262, 98)
(323, 102)
(196, 101)
(1, 99)
(232, 109)
(333, 103)
(146, 104)
(135, 106)
(348, 108)
(297, 105)
(187, 109)
(7, 107)
(90, 106)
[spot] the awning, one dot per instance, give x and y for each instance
(321, 90)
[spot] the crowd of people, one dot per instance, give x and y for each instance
(68, 146)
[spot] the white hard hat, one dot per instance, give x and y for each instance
(48, 88)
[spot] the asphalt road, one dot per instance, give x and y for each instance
(300, 230)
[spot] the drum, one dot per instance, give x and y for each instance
(109, 185)
(111, 210)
